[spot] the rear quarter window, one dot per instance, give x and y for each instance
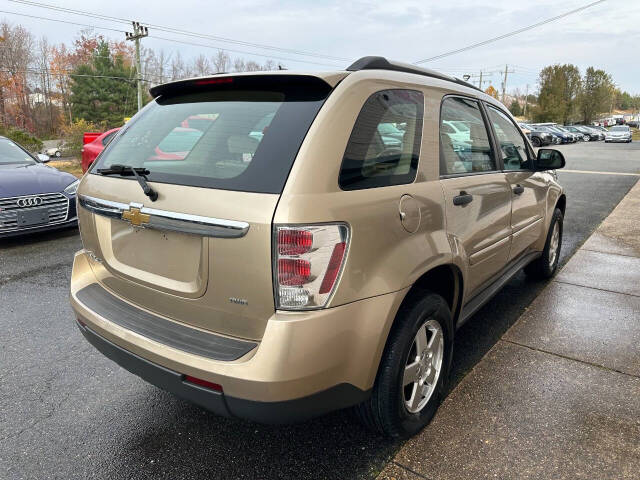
(384, 145)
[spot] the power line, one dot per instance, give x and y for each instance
(184, 42)
(510, 34)
(70, 10)
(180, 31)
(61, 21)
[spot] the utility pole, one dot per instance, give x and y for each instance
(504, 83)
(139, 31)
(526, 101)
(480, 82)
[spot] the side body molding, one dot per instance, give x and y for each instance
(145, 217)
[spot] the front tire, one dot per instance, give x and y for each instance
(58, 154)
(535, 141)
(587, 138)
(414, 369)
(546, 265)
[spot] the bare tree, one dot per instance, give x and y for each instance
(16, 60)
(221, 61)
(201, 66)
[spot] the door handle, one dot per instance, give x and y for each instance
(518, 189)
(463, 198)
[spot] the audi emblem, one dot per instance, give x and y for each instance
(29, 202)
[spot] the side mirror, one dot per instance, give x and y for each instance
(549, 159)
(42, 157)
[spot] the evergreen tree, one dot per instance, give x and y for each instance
(103, 91)
(559, 93)
(597, 94)
(515, 108)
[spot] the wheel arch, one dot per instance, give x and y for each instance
(445, 280)
(561, 203)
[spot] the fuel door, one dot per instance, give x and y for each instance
(410, 216)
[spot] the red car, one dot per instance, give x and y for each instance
(91, 150)
(175, 146)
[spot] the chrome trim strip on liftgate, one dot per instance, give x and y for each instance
(165, 220)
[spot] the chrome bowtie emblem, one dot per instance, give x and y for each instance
(29, 202)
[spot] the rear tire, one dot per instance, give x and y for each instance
(587, 138)
(413, 372)
(546, 265)
(58, 154)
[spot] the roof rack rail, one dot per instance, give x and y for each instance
(381, 63)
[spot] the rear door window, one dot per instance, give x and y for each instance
(379, 153)
(242, 134)
(464, 141)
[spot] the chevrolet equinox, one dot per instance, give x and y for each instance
(288, 257)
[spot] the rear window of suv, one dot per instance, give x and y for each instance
(242, 134)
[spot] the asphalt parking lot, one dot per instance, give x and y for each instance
(68, 412)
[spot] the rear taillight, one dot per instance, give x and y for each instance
(307, 264)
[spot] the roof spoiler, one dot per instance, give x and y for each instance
(231, 81)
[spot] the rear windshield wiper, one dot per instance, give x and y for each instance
(139, 172)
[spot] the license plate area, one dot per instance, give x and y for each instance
(38, 216)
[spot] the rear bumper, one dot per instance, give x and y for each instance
(306, 363)
(296, 410)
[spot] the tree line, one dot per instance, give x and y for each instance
(566, 96)
(45, 89)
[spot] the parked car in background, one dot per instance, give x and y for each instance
(538, 138)
(567, 137)
(618, 133)
(525, 130)
(53, 152)
(560, 137)
(315, 268)
(390, 130)
(596, 134)
(577, 137)
(33, 196)
(554, 137)
(177, 144)
(573, 129)
(587, 134)
(457, 131)
(93, 148)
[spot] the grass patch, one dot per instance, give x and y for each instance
(70, 165)
(635, 134)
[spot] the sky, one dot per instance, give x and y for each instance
(605, 36)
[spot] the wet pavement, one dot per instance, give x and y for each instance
(68, 412)
(558, 396)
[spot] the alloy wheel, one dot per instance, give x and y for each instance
(423, 366)
(554, 244)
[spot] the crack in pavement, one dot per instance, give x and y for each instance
(567, 357)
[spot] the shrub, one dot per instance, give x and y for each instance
(28, 141)
(73, 134)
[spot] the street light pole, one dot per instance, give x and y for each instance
(139, 31)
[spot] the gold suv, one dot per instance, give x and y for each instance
(274, 246)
